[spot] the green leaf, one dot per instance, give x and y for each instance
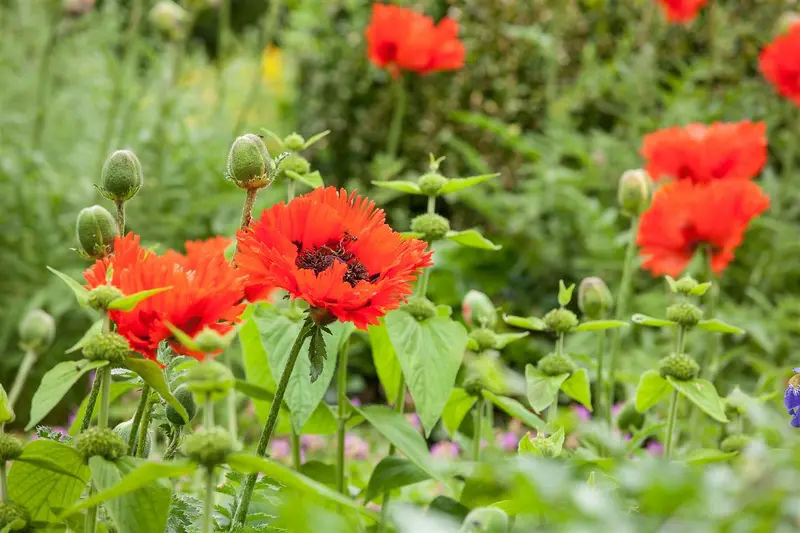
(564, 293)
(578, 388)
(557, 440)
(701, 289)
(129, 303)
(515, 409)
(444, 310)
(118, 388)
(673, 285)
(385, 360)
(43, 461)
(718, 326)
(652, 389)
(296, 482)
(472, 239)
(41, 490)
(397, 185)
(152, 375)
(16, 525)
(702, 393)
(316, 138)
(542, 389)
(321, 472)
(317, 355)
(644, 320)
(504, 339)
(274, 137)
(312, 179)
(91, 333)
(128, 475)
(251, 390)
(599, 325)
(393, 473)
(55, 384)
(6, 412)
(80, 292)
(430, 353)
(704, 456)
(532, 323)
(459, 184)
(458, 405)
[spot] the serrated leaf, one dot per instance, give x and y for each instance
(718, 326)
(564, 293)
(129, 303)
(150, 372)
(408, 187)
(93, 331)
(393, 473)
(578, 388)
(515, 409)
(652, 389)
(316, 354)
(644, 320)
(542, 389)
(472, 239)
(55, 384)
(599, 325)
(459, 184)
(80, 292)
(703, 394)
(458, 406)
(316, 138)
(532, 323)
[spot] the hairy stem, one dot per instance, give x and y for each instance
(120, 216)
(105, 396)
(42, 78)
(343, 412)
(3, 482)
(247, 210)
(208, 412)
(137, 419)
(22, 375)
(598, 387)
(144, 428)
(174, 442)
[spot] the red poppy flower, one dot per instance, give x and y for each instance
(681, 10)
(335, 252)
(206, 291)
(780, 64)
(402, 39)
(700, 153)
(684, 216)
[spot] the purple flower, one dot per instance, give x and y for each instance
(355, 447)
(509, 441)
(655, 448)
(413, 419)
(445, 449)
(280, 449)
(356, 401)
(616, 408)
(313, 443)
(791, 398)
(582, 412)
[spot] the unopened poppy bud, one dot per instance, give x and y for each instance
(186, 398)
(11, 512)
(433, 227)
(169, 19)
(105, 443)
(685, 314)
(210, 341)
(124, 431)
(121, 177)
(294, 142)
(249, 163)
(209, 447)
(295, 163)
(420, 308)
(96, 229)
(110, 346)
(431, 183)
(478, 309)
(485, 338)
(629, 418)
(102, 296)
(680, 366)
(633, 193)
(560, 320)
(786, 22)
(209, 377)
(10, 448)
(37, 331)
(594, 298)
(486, 520)
(555, 364)
(685, 285)
(734, 443)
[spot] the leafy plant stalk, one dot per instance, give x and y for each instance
(137, 419)
(120, 216)
(208, 412)
(399, 406)
(4, 482)
(22, 375)
(341, 429)
(712, 348)
(175, 440)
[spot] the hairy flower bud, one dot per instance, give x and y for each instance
(11, 512)
(124, 431)
(594, 298)
(37, 331)
(685, 314)
(734, 443)
(95, 230)
(554, 364)
(680, 366)
(629, 419)
(485, 520)
(294, 142)
(295, 163)
(249, 163)
(103, 442)
(485, 338)
(633, 193)
(121, 177)
(10, 447)
(479, 310)
(431, 183)
(686, 285)
(209, 377)
(186, 398)
(110, 346)
(209, 446)
(210, 341)
(420, 308)
(169, 19)
(560, 320)
(433, 227)
(102, 296)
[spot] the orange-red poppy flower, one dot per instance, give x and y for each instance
(402, 39)
(205, 291)
(684, 216)
(681, 10)
(701, 153)
(780, 64)
(334, 251)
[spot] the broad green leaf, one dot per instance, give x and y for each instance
(472, 239)
(43, 461)
(55, 384)
(542, 389)
(430, 353)
(397, 185)
(718, 326)
(599, 325)
(41, 490)
(504, 339)
(652, 389)
(152, 375)
(644, 320)
(80, 292)
(312, 179)
(578, 388)
(321, 472)
(129, 303)
(702, 393)
(251, 390)
(704, 456)
(515, 409)
(296, 482)
(701, 289)
(458, 405)
(459, 184)
(564, 293)
(532, 323)
(255, 367)
(91, 333)
(393, 473)
(385, 360)
(316, 138)
(118, 388)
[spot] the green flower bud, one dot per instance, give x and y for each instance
(294, 142)
(10, 447)
(209, 446)
(420, 308)
(103, 442)
(110, 346)
(629, 419)
(685, 285)
(37, 331)
(185, 396)
(169, 19)
(432, 226)
(485, 338)
(124, 431)
(554, 364)
(11, 512)
(680, 366)
(102, 296)
(249, 163)
(210, 341)
(295, 163)
(734, 443)
(560, 320)
(431, 183)
(209, 377)
(478, 309)
(633, 193)
(594, 298)
(486, 520)
(473, 384)
(121, 177)
(96, 229)
(685, 314)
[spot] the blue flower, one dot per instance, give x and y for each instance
(791, 398)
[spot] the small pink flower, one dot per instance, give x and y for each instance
(372, 506)
(582, 412)
(356, 402)
(280, 449)
(655, 448)
(313, 443)
(355, 447)
(413, 419)
(509, 441)
(445, 449)
(617, 408)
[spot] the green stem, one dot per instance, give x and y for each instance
(42, 80)
(91, 402)
(396, 126)
(22, 375)
(240, 517)
(673, 414)
(598, 387)
(422, 287)
(343, 413)
(290, 190)
(144, 428)
(105, 396)
(399, 406)
(297, 451)
(623, 295)
(431, 204)
(137, 419)
(208, 412)
(91, 513)
(712, 348)
(477, 429)
(3, 482)
(247, 210)
(172, 449)
(208, 514)
(120, 216)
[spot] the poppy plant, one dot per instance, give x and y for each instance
(681, 10)
(684, 217)
(701, 153)
(334, 251)
(780, 64)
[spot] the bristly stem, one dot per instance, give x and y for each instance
(399, 407)
(22, 375)
(173, 443)
(673, 414)
(120, 216)
(422, 286)
(342, 416)
(477, 429)
(144, 428)
(208, 513)
(137, 419)
(247, 210)
(105, 396)
(91, 402)
(400, 105)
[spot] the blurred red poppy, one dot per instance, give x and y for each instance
(780, 64)
(681, 10)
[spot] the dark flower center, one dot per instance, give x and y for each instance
(321, 258)
(387, 51)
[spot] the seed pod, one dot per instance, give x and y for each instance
(294, 142)
(680, 366)
(37, 331)
(685, 314)
(432, 226)
(554, 364)
(560, 320)
(96, 230)
(106, 443)
(420, 308)
(186, 398)
(121, 177)
(431, 183)
(110, 346)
